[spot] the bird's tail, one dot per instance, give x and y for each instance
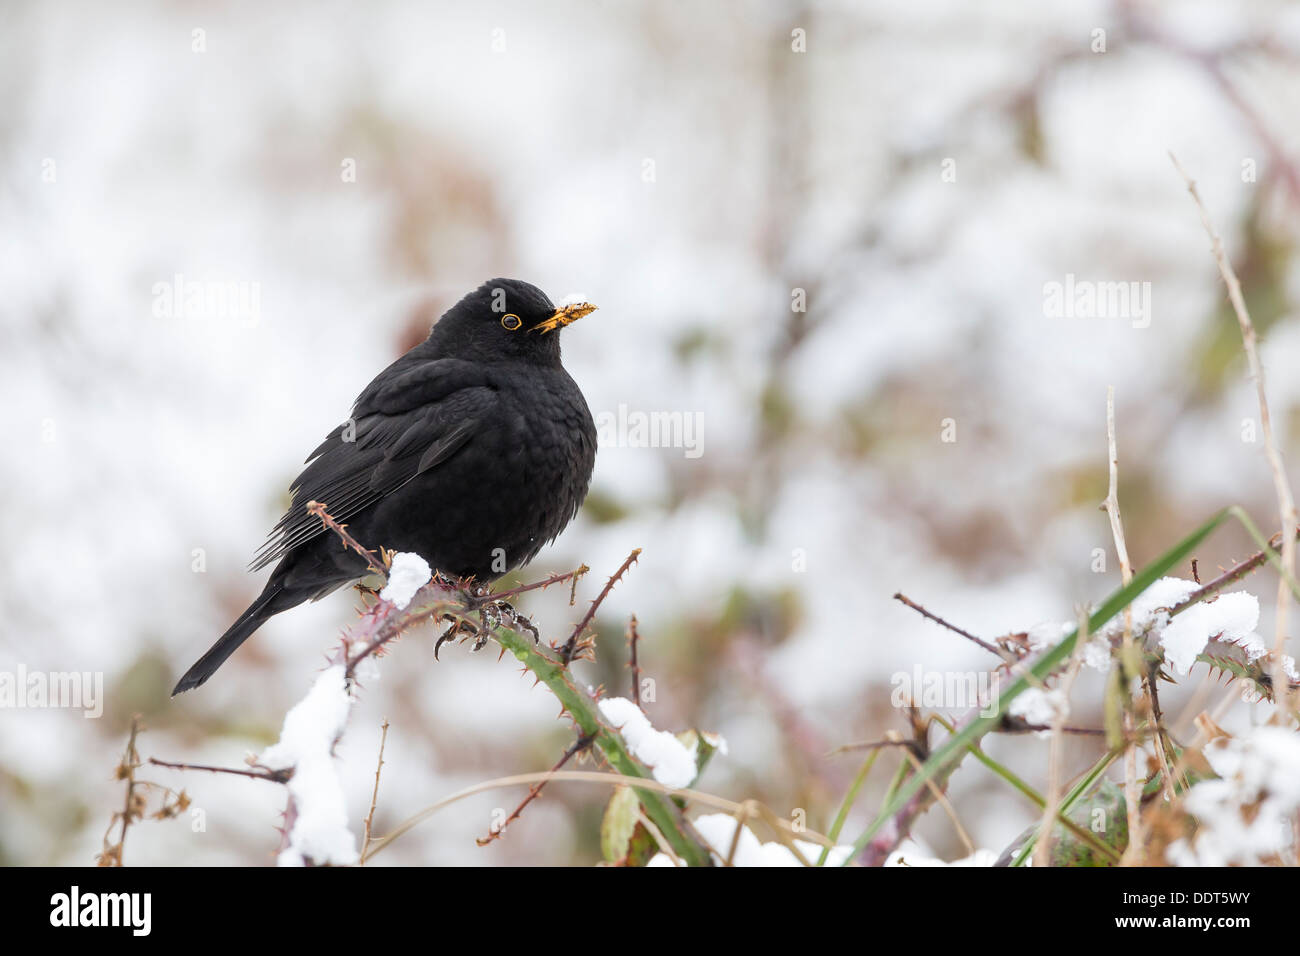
(258, 612)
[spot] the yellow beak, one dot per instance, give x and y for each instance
(564, 315)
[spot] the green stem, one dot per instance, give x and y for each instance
(944, 760)
(849, 799)
(1010, 777)
(661, 810)
(1078, 790)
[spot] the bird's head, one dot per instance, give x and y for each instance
(507, 318)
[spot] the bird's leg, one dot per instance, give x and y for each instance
(447, 582)
(489, 616)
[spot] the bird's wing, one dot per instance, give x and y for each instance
(408, 420)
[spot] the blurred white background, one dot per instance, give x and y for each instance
(920, 171)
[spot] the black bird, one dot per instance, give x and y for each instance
(472, 450)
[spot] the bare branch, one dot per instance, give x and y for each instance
(582, 743)
(566, 655)
(1281, 484)
(374, 796)
(952, 627)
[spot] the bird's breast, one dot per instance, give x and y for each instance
(524, 473)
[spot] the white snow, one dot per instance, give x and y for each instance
(367, 669)
(1037, 706)
(1232, 617)
(1096, 654)
(672, 762)
(320, 826)
(718, 830)
(573, 298)
(1047, 634)
(716, 741)
(1245, 815)
(1150, 608)
(911, 853)
(409, 572)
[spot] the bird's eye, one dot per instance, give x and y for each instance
(511, 321)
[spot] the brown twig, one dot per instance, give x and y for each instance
(742, 817)
(112, 855)
(261, 773)
(1164, 742)
(1234, 573)
(1132, 789)
(136, 802)
(952, 627)
(383, 622)
(376, 562)
(578, 746)
(130, 761)
(895, 830)
(633, 638)
(1281, 483)
(374, 796)
(936, 791)
(874, 745)
(566, 655)
(572, 576)
(1047, 728)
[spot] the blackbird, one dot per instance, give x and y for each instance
(473, 450)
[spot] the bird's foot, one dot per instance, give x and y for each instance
(493, 614)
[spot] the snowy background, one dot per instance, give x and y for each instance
(920, 172)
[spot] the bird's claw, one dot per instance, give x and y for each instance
(491, 614)
(459, 626)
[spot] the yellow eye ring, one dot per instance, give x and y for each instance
(511, 321)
